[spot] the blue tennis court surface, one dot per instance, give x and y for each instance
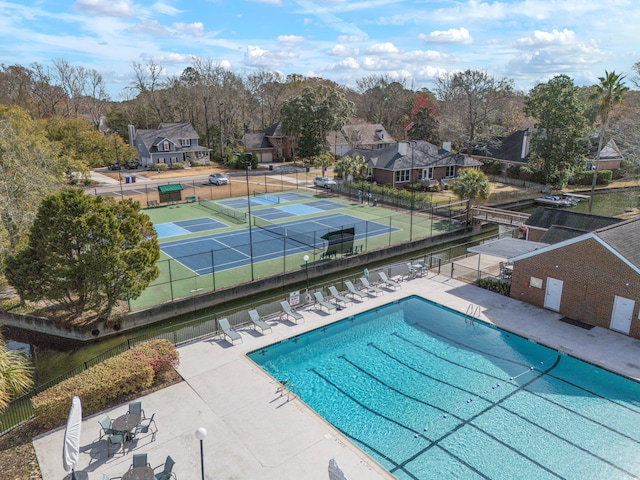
(185, 227)
(223, 251)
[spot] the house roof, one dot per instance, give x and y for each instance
(545, 217)
(173, 132)
(255, 141)
(401, 156)
(512, 148)
(609, 150)
(506, 247)
(558, 233)
(366, 134)
(624, 238)
(621, 239)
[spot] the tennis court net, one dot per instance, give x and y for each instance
(236, 215)
(273, 199)
(308, 239)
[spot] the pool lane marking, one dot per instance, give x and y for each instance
(482, 412)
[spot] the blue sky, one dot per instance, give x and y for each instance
(529, 41)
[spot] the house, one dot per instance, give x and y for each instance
(610, 156)
(593, 278)
(170, 143)
(416, 161)
(270, 145)
(371, 136)
(556, 224)
(513, 149)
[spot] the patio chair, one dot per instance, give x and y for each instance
(290, 312)
(115, 439)
(323, 303)
(139, 460)
(257, 322)
(353, 291)
(136, 409)
(166, 473)
(228, 332)
(388, 282)
(105, 426)
(412, 271)
(146, 428)
(370, 288)
(105, 477)
(338, 297)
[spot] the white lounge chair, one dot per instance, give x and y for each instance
(323, 303)
(290, 312)
(228, 332)
(370, 288)
(339, 298)
(387, 281)
(257, 322)
(353, 291)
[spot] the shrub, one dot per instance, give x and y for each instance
(177, 166)
(604, 177)
(161, 167)
(101, 385)
(513, 171)
(498, 286)
(525, 173)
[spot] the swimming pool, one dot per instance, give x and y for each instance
(432, 395)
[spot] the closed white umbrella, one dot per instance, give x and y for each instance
(71, 447)
(335, 472)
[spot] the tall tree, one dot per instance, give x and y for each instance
(608, 93)
(558, 141)
(85, 253)
(471, 105)
(312, 115)
(15, 374)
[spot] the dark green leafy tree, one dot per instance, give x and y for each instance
(85, 253)
(558, 141)
(425, 127)
(312, 114)
(608, 93)
(471, 184)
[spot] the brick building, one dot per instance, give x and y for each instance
(593, 278)
(572, 224)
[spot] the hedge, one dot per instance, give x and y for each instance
(585, 178)
(102, 385)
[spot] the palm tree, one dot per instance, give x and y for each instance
(471, 184)
(608, 93)
(15, 374)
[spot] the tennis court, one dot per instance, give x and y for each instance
(223, 251)
(185, 227)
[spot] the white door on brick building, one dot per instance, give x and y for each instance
(553, 294)
(621, 315)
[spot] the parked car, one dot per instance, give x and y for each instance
(132, 165)
(324, 182)
(218, 179)
(114, 166)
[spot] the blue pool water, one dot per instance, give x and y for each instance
(431, 396)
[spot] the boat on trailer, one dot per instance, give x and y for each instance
(560, 201)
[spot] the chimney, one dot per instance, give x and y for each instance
(132, 134)
(525, 145)
(402, 148)
(446, 146)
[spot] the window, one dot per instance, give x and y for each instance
(403, 175)
(185, 142)
(450, 171)
(425, 174)
(369, 172)
(165, 146)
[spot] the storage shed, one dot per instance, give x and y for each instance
(170, 193)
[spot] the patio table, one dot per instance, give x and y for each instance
(139, 473)
(125, 423)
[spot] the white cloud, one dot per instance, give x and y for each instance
(226, 64)
(107, 8)
(424, 56)
(555, 37)
(453, 35)
(274, 2)
(195, 29)
(342, 51)
(165, 9)
(349, 39)
(149, 26)
(346, 64)
(173, 58)
(258, 57)
(382, 48)
(290, 40)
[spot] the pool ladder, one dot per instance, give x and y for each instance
(472, 313)
(287, 388)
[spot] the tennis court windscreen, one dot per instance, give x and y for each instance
(309, 239)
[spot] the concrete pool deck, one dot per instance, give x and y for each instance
(256, 432)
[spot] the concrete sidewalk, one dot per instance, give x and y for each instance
(255, 432)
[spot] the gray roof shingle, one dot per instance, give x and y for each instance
(544, 217)
(624, 238)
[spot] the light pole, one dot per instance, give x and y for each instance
(115, 145)
(248, 163)
(306, 269)
(201, 433)
(413, 145)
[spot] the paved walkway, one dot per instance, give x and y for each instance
(254, 432)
